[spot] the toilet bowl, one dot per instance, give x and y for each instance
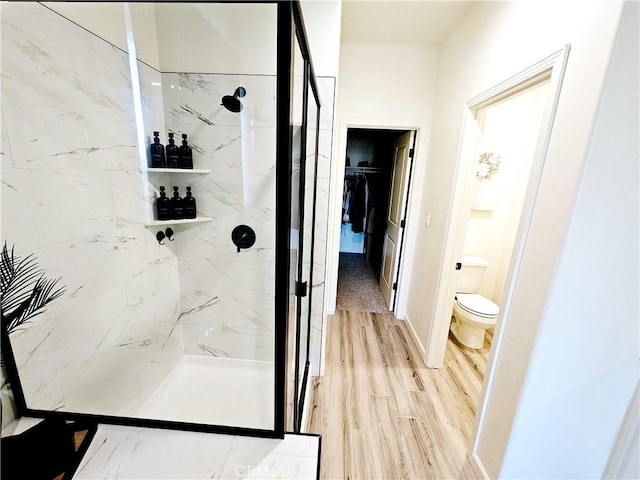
(473, 314)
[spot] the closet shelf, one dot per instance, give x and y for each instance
(365, 169)
(155, 223)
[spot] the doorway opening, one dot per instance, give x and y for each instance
(374, 198)
(509, 129)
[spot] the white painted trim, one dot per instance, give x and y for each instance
(522, 79)
(335, 204)
(478, 467)
(414, 335)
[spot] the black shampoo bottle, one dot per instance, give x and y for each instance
(162, 206)
(189, 205)
(173, 153)
(186, 155)
(177, 206)
(156, 150)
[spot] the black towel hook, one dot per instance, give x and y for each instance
(160, 236)
(169, 233)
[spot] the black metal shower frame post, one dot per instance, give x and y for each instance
(307, 365)
(284, 143)
(301, 211)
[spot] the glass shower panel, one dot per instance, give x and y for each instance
(132, 316)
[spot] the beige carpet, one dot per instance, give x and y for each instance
(358, 289)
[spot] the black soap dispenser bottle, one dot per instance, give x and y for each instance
(156, 150)
(163, 209)
(173, 153)
(186, 155)
(177, 205)
(189, 205)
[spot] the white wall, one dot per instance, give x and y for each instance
(380, 85)
(217, 38)
(493, 42)
(584, 366)
(322, 22)
(383, 84)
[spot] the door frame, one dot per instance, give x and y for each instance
(335, 208)
(554, 67)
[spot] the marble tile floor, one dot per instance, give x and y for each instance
(382, 413)
(135, 453)
(215, 391)
(123, 452)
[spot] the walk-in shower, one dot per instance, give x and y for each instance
(201, 320)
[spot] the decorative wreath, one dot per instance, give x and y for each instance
(487, 165)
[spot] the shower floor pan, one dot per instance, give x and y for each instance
(215, 391)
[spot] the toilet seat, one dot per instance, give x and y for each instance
(477, 305)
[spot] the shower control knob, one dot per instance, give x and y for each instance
(243, 236)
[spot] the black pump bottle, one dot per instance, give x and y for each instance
(156, 151)
(189, 205)
(173, 153)
(162, 206)
(186, 155)
(177, 206)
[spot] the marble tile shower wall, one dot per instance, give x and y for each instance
(73, 195)
(227, 296)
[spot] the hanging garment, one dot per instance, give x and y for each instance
(347, 191)
(357, 208)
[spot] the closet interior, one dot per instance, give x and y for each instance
(365, 199)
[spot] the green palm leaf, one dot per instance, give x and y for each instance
(24, 289)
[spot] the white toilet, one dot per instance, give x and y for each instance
(472, 313)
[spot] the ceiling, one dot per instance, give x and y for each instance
(400, 21)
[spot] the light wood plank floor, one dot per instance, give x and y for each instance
(383, 414)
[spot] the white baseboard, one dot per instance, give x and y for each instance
(478, 468)
(414, 335)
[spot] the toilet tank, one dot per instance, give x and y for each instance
(471, 274)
